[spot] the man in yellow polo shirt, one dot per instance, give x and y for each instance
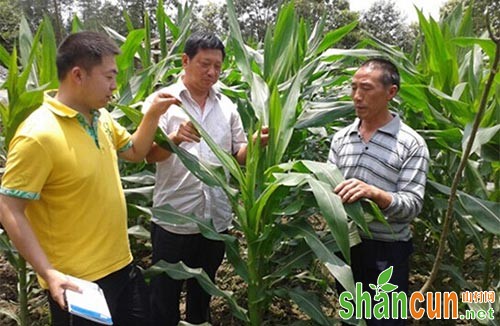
(61, 200)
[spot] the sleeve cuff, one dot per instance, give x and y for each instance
(126, 147)
(389, 210)
(19, 193)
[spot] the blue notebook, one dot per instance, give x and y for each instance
(90, 303)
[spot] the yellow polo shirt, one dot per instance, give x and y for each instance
(69, 169)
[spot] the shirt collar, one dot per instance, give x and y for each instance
(61, 109)
(390, 128)
(179, 88)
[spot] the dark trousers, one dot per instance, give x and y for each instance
(127, 296)
(195, 251)
(370, 258)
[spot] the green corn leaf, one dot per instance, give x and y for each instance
(331, 55)
(128, 21)
(227, 160)
(139, 231)
(160, 19)
(486, 213)
(30, 70)
(129, 48)
(310, 304)
(8, 249)
(76, 24)
(284, 47)
(337, 267)
(173, 28)
(26, 103)
(180, 271)
(333, 37)
(333, 212)
(482, 137)
(487, 45)
(288, 117)
(459, 110)
(211, 175)
(482, 211)
(47, 65)
(184, 23)
(144, 192)
(300, 256)
(145, 52)
(25, 41)
(4, 56)
(259, 97)
(11, 86)
(240, 53)
(268, 201)
(330, 174)
(144, 177)
(325, 113)
(167, 213)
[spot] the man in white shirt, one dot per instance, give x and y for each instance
(176, 185)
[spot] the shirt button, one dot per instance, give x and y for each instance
(366, 147)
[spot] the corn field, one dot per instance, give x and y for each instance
(298, 84)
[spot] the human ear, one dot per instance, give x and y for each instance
(185, 60)
(76, 74)
(392, 91)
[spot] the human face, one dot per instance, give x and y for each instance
(203, 70)
(99, 83)
(369, 95)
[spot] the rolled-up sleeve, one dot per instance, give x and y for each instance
(408, 200)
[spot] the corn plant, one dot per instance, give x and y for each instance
(271, 200)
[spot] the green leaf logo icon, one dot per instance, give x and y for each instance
(385, 276)
(383, 285)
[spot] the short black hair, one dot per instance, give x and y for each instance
(203, 40)
(390, 73)
(84, 49)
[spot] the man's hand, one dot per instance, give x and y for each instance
(186, 133)
(58, 283)
(161, 102)
(264, 136)
(352, 190)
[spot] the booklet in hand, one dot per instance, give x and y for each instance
(90, 303)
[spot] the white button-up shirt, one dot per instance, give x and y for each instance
(178, 187)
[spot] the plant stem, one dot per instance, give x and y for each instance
(254, 300)
(23, 293)
(458, 174)
(487, 268)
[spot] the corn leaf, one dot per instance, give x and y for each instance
(309, 303)
(337, 267)
(227, 159)
(333, 37)
(168, 214)
(333, 212)
(180, 271)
